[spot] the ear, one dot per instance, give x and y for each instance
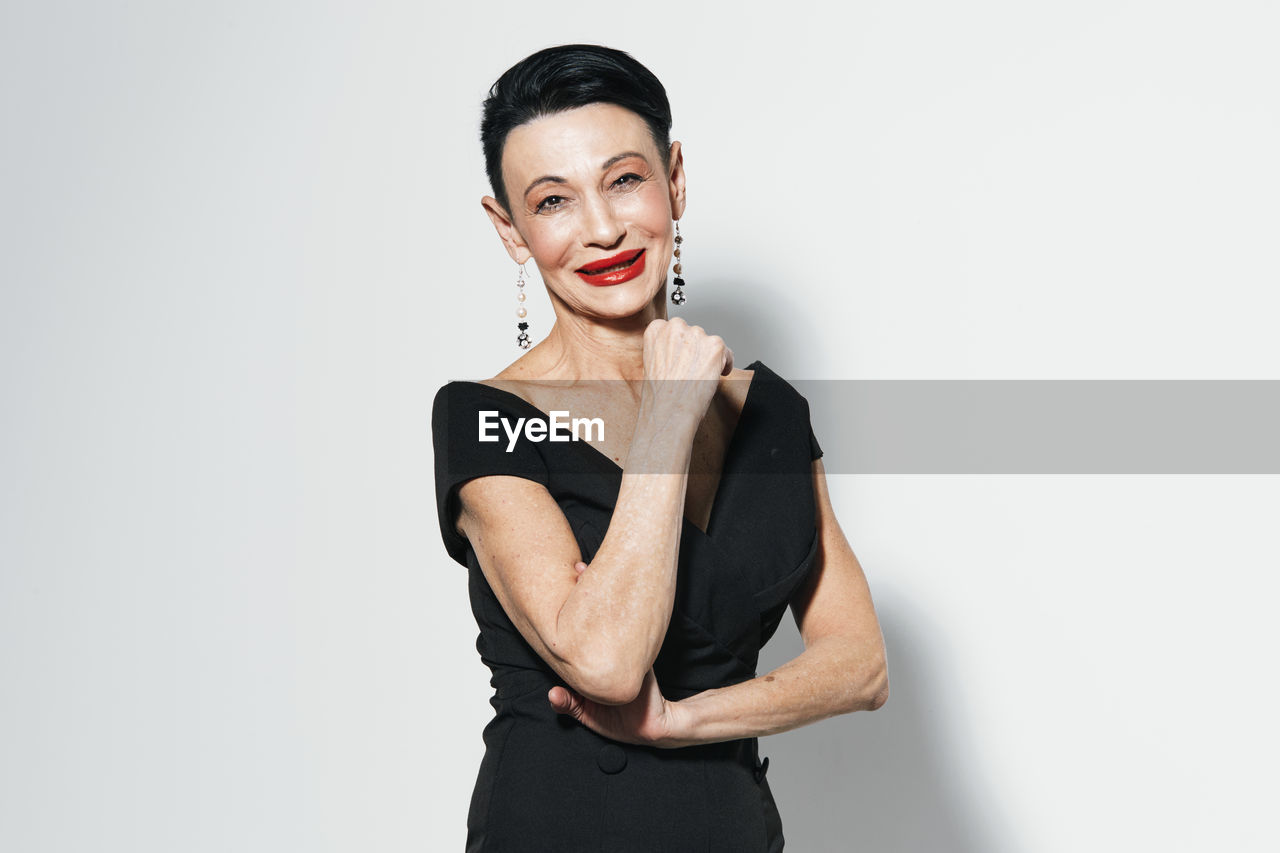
(675, 181)
(507, 232)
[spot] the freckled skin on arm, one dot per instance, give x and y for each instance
(597, 629)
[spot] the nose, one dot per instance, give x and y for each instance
(601, 225)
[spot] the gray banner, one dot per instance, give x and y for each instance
(941, 426)
(1046, 426)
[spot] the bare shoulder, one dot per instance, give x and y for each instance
(734, 387)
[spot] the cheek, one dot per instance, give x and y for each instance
(550, 240)
(649, 207)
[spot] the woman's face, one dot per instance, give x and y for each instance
(593, 207)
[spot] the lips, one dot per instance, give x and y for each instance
(619, 260)
(623, 266)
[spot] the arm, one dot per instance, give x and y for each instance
(842, 668)
(602, 632)
(599, 633)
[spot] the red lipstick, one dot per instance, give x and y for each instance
(623, 266)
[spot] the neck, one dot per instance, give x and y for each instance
(579, 347)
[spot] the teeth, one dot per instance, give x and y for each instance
(614, 268)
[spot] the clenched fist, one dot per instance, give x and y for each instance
(683, 364)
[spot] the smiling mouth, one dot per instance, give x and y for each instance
(598, 270)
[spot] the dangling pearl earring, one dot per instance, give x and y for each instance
(677, 296)
(521, 312)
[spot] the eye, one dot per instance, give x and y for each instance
(628, 179)
(549, 203)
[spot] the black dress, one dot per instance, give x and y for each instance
(547, 782)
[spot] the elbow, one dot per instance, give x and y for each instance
(606, 678)
(622, 693)
(873, 688)
(601, 672)
(877, 700)
(610, 686)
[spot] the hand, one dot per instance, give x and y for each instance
(649, 719)
(684, 363)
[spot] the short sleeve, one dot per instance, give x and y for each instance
(815, 449)
(460, 455)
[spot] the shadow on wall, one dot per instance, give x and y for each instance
(757, 321)
(879, 782)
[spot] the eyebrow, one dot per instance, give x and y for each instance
(555, 179)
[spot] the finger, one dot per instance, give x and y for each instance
(564, 701)
(561, 699)
(728, 362)
(653, 330)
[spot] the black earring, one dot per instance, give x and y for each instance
(677, 296)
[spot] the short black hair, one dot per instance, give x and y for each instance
(562, 78)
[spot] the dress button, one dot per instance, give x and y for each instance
(611, 758)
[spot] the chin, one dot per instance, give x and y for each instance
(615, 303)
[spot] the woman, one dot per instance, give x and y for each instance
(622, 600)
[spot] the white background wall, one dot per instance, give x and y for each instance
(243, 245)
